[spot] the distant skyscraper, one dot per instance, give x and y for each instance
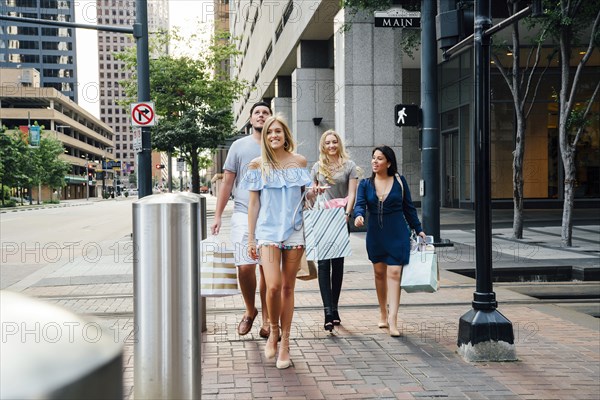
(121, 13)
(48, 49)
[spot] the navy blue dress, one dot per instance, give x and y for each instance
(388, 234)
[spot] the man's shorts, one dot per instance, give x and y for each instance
(239, 239)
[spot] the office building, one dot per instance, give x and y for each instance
(48, 49)
(297, 55)
(111, 71)
(87, 140)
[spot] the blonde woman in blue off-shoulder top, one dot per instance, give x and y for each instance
(276, 181)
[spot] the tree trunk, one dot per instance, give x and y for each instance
(195, 172)
(566, 235)
(518, 183)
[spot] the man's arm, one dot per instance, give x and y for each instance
(222, 198)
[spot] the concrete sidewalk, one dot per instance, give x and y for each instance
(558, 347)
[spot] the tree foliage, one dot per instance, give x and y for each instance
(193, 100)
(22, 166)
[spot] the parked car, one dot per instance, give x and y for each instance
(203, 189)
(133, 192)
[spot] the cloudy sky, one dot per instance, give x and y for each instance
(185, 14)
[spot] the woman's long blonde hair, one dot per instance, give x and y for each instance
(324, 162)
(267, 154)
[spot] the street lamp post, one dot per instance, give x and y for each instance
(87, 179)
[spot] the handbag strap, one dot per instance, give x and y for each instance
(297, 209)
(401, 185)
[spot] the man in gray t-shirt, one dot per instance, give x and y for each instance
(240, 154)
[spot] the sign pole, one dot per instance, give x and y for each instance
(430, 149)
(144, 158)
(484, 334)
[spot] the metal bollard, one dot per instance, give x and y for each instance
(166, 235)
(48, 352)
(204, 233)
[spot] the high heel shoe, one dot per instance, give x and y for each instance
(394, 332)
(328, 325)
(336, 318)
(283, 364)
(270, 351)
(384, 324)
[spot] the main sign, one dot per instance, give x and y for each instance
(397, 18)
(407, 115)
(142, 114)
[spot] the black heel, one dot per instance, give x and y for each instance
(328, 326)
(336, 318)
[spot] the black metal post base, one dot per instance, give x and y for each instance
(486, 335)
(444, 243)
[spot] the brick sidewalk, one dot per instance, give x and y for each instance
(558, 358)
(558, 349)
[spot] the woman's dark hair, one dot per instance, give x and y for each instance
(389, 155)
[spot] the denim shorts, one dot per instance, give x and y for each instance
(296, 240)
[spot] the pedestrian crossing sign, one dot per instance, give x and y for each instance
(407, 115)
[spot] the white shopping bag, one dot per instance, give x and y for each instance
(421, 274)
(218, 273)
(326, 234)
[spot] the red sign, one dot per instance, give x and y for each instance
(142, 114)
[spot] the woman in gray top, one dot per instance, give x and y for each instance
(336, 176)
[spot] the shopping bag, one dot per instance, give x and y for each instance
(421, 274)
(307, 270)
(218, 273)
(326, 234)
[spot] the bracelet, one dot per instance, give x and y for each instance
(348, 214)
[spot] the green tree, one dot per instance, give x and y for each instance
(193, 101)
(132, 179)
(51, 168)
(569, 22)
(523, 87)
(15, 162)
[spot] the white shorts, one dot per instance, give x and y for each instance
(239, 239)
(295, 240)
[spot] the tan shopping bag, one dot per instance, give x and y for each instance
(308, 269)
(218, 273)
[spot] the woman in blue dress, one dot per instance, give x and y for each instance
(276, 181)
(391, 217)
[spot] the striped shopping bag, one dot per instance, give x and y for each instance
(326, 234)
(218, 273)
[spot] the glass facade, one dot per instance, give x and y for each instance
(50, 50)
(543, 168)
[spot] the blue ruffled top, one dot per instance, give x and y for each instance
(280, 194)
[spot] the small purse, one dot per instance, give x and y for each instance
(307, 270)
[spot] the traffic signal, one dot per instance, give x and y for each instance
(454, 22)
(160, 166)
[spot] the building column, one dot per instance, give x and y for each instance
(368, 81)
(313, 96)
